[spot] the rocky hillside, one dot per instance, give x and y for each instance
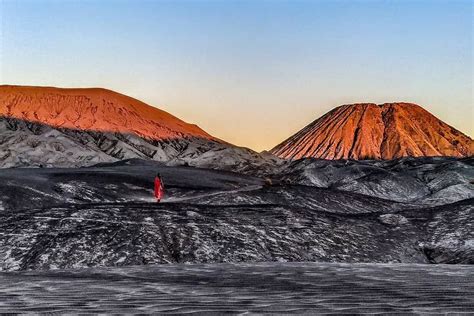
(422, 181)
(53, 127)
(371, 131)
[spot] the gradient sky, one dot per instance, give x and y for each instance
(249, 72)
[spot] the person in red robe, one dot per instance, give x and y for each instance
(159, 188)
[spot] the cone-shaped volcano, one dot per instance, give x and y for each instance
(371, 131)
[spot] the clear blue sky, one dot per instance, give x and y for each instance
(250, 72)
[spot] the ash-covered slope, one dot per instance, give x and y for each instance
(106, 216)
(54, 127)
(424, 181)
(87, 235)
(371, 131)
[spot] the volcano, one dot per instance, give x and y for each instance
(61, 127)
(371, 131)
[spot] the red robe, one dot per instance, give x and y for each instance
(158, 189)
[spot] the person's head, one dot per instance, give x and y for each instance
(158, 175)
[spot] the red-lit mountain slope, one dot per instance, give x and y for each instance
(93, 109)
(371, 131)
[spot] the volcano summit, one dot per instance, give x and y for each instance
(371, 131)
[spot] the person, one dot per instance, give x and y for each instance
(159, 187)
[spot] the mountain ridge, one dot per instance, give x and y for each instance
(61, 127)
(95, 109)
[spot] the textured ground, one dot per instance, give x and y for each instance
(422, 181)
(310, 288)
(88, 235)
(105, 216)
(402, 211)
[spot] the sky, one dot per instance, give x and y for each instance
(249, 72)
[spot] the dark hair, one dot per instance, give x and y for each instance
(158, 175)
